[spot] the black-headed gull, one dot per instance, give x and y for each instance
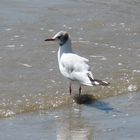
(72, 66)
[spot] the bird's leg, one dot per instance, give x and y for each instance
(80, 89)
(70, 89)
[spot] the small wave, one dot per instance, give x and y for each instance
(33, 103)
(122, 85)
(98, 56)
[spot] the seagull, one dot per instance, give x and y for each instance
(72, 66)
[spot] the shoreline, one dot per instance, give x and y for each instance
(115, 117)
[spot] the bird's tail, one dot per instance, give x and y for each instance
(97, 82)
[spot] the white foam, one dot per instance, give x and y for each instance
(21, 45)
(69, 28)
(119, 48)
(113, 47)
(11, 39)
(8, 29)
(129, 49)
(53, 51)
(126, 114)
(106, 45)
(127, 29)
(136, 71)
(103, 58)
(11, 46)
(135, 34)
(122, 24)
(51, 30)
(114, 115)
(96, 44)
(50, 69)
(132, 87)
(84, 41)
(113, 24)
(80, 38)
(25, 65)
(16, 36)
(64, 26)
(99, 56)
(53, 81)
(120, 64)
(42, 29)
(9, 113)
(96, 56)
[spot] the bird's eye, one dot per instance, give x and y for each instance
(59, 37)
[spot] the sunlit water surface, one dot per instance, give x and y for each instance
(105, 32)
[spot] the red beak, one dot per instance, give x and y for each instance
(49, 39)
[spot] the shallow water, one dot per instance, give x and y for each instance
(114, 118)
(106, 32)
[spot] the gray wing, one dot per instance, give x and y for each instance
(76, 68)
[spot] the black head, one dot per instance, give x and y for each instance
(61, 37)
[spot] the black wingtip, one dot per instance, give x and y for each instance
(100, 82)
(97, 82)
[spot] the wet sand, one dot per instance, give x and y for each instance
(113, 118)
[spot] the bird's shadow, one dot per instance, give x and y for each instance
(90, 100)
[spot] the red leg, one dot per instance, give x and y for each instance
(80, 89)
(70, 90)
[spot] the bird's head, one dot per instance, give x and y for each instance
(61, 37)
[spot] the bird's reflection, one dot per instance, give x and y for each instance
(73, 126)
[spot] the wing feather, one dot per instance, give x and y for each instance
(75, 68)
